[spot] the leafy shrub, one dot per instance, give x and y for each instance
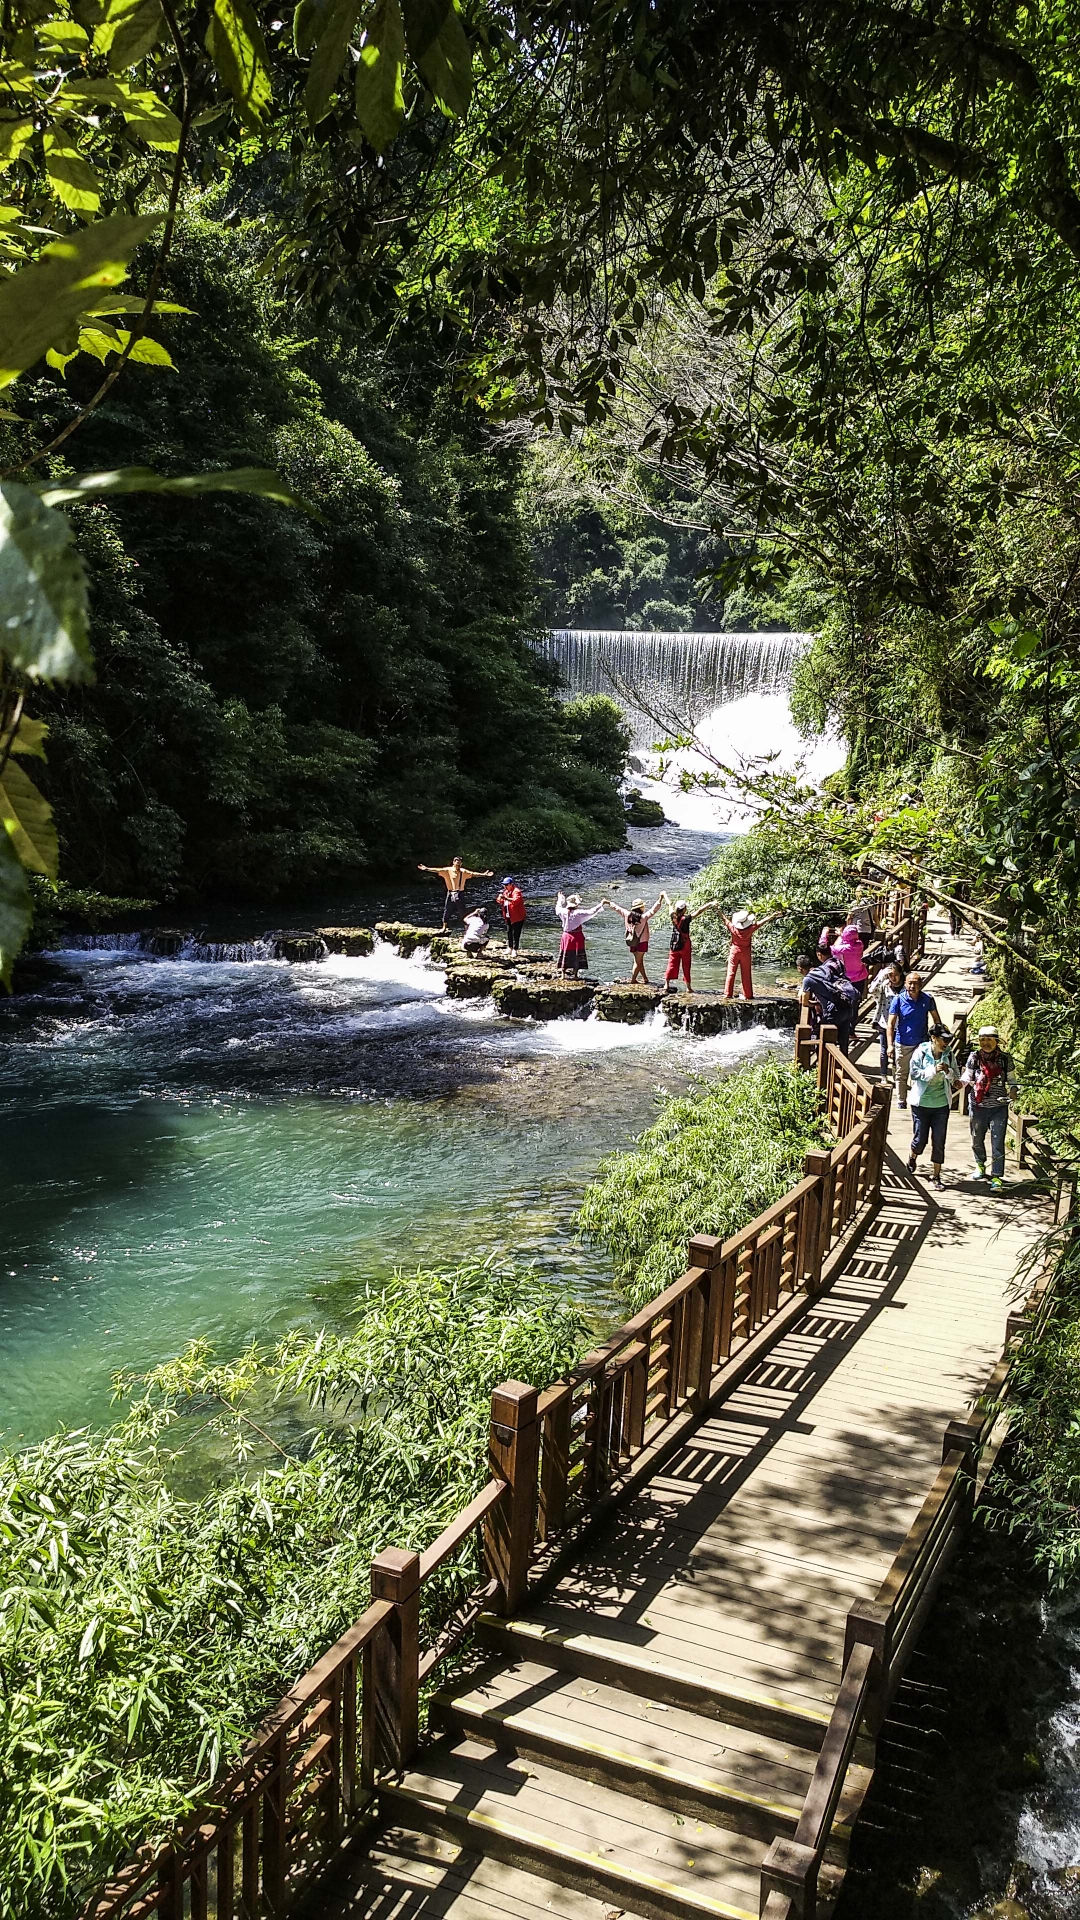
(143, 1635)
(761, 871)
(1040, 1496)
(711, 1163)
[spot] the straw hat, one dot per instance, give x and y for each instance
(637, 906)
(742, 920)
(573, 899)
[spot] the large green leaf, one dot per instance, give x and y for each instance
(14, 135)
(30, 737)
(90, 486)
(42, 589)
(441, 50)
(16, 906)
(335, 30)
(27, 816)
(129, 30)
(148, 118)
(236, 44)
(380, 99)
(40, 303)
(71, 178)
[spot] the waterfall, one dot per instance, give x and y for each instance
(678, 676)
(168, 944)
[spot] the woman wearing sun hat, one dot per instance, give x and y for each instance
(742, 927)
(572, 916)
(989, 1077)
(636, 919)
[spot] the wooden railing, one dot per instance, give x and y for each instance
(1058, 1171)
(881, 1633)
(556, 1458)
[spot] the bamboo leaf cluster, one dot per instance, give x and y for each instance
(143, 1634)
(712, 1162)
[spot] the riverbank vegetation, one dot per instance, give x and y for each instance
(143, 1634)
(711, 1162)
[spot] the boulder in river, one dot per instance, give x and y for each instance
(406, 938)
(543, 998)
(470, 982)
(708, 1013)
(297, 946)
(643, 813)
(621, 1001)
(350, 940)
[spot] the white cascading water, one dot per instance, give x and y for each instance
(729, 689)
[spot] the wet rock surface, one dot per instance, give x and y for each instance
(618, 1001)
(407, 938)
(542, 999)
(470, 982)
(709, 1013)
(348, 940)
(296, 947)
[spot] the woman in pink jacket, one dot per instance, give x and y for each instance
(848, 948)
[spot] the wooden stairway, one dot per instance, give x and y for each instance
(571, 1776)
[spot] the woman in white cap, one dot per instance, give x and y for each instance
(989, 1078)
(742, 927)
(636, 919)
(571, 913)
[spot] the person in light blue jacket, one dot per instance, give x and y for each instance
(932, 1076)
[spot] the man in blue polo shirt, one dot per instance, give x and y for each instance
(911, 1015)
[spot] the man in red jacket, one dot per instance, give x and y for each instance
(512, 902)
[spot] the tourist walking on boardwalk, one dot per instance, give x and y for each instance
(990, 1078)
(573, 916)
(680, 944)
(827, 995)
(911, 1016)
(884, 988)
(848, 948)
(636, 920)
(455, 877)
(742, 927)
(511, 903)
(932, 1074)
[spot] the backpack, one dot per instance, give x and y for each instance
(680, 936)
(635, 923)
(837, 997)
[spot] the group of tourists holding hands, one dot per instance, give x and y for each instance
(914, 1047)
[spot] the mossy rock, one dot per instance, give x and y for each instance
(542, 999)
(645, 813)
(635, 871)
(709, 1013)
(618, 1001)
(406, 938)
(350, 940)
(470, 982)
(164, 942)
(297, 947)
(527, 963)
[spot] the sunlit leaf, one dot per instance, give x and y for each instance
(43, 601)
(16, 906)
(38, 303)
(147, 117)
(89, 486)
(65, 34)
(71, 178)
(438, 44)
(236, 44)
(380, 100)
(336, 24)
(14, 135)
(128, 32)
(30, 736)
(27, 817)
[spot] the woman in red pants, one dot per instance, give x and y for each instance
(681, 946)
(742, 927)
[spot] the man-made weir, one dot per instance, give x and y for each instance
(706, 1556)
(674, 675)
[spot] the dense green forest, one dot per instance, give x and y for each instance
(287, 700)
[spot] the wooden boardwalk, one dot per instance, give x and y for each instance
(649, 1722)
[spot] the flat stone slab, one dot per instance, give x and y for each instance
(406, 938)
(618, 1000)
(708, 1013)
(297, 947)
(351, 940)
(545, 999)
(470, 982)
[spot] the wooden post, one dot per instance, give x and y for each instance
(555, 1465)
(395, 1575)
(870, 1625)
(882, 1101)
(827, 1037)
(804, 1045)
(791, 1869)
(964, 1436)
(170, 1887)
(510, 1528)
(275, 1793)
(1020, 1127)
(705, 1251)
(815, 1164)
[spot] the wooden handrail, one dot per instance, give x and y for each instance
(467, 1521)
(827, 1784)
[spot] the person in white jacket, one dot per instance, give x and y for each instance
(573, 916)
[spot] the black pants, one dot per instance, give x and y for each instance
(513, 933)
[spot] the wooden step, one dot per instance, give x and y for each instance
(620, 1663)
(665, 1754)
(409, 1875)
(599, 1842)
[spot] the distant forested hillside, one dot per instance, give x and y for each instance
(285, 701)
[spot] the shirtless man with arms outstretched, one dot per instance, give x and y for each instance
(455, 876)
